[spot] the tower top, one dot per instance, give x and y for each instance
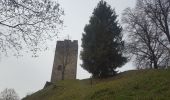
(71, 43)
(68, 41)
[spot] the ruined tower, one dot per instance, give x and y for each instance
(65, 59)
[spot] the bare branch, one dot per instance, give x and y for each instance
(32, 21)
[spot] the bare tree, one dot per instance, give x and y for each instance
(159, 12)
(9, 94)
(143, 39)
(28, 23)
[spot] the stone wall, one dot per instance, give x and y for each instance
(69, 49)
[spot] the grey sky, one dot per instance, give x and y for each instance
(27, 74)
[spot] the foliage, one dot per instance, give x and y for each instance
(102, 42)
(9, 94)
(28, 24)
(131, 85)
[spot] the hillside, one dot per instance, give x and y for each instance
(130, 85)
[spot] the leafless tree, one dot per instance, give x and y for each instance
(143, 39)
(28, 23)
(159, 12)
(9, 94)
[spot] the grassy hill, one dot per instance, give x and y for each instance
(130, 85)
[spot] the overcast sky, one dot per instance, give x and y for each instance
(27, 74)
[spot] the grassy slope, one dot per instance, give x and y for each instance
(131, 85)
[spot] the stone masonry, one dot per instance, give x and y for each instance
(65, 55)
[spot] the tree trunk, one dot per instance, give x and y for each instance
(155, 64)
(91, 81)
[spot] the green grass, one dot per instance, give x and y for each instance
(130, 85)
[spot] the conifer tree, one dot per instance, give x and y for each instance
(102, 42)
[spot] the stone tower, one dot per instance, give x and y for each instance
(65, 55)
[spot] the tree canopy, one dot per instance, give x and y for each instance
(9, 94)
(102, 42)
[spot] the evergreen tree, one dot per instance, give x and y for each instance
(102, 42)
